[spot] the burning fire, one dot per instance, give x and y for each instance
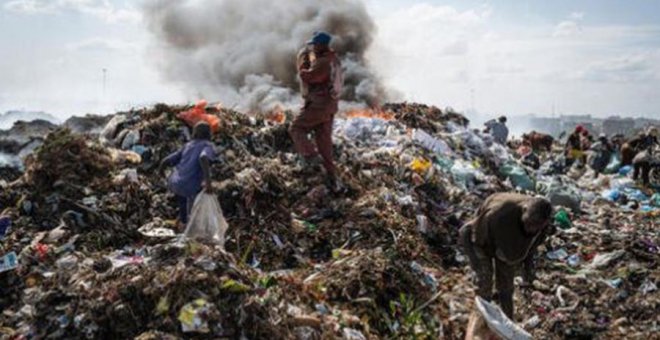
(369, 113)
(276, 115)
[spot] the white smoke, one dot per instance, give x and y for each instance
(242, 52)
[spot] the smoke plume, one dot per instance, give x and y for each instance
(243, 51)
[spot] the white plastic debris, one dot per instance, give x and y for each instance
(499, 323)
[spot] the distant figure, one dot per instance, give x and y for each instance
(644, 157)
(497, 128)
(641, 142)
(601, 153)
(504, 234)
(532, 160)
(192, 169)
(573, 148)
(539, 141)
(320, 73)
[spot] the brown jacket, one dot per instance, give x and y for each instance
(317, 80)
(303, 62)
(318, 75)
(498, 228)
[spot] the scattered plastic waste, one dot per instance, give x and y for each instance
(614, 283)
(420, 165)
(574, 260)
(562, 219)
(559, 254)
(648, 287)
(499, 323)
(8, 262)
(519, 178)
(532, 322)
(378, 261)
(435, 145)
(207, 222)
(625, 170)
(603, 260)
(193, 317)
(156, 229)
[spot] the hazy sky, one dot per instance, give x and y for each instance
(599, 57)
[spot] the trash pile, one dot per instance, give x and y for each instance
(90, 247)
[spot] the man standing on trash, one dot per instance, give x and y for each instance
(320, 73)
(497, 129)
(505, 232)
(192, 169)
(574, 146)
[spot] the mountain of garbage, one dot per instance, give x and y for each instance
(8, 119)
(90, 248)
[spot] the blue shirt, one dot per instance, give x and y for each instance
(186, 180)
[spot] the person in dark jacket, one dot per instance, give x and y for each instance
(497, 129)
(503, 235)
(317, 72)
(192, 170)
(601, 153)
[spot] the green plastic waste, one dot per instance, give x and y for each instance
(562, 219)
(519, 178)
(444, 163)
(655, 199)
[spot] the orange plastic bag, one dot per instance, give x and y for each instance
(198, 114)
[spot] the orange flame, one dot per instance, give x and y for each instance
(276, 115)
(369, 113)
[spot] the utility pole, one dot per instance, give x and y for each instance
(105, 71)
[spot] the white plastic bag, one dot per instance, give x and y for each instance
(499, 323)
(431, 143)
(206, 221)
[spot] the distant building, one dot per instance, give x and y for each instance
(569, 122)
(615, 125)
(551, 126)
(570, 125)
(643, 123)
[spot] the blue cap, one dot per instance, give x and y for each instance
(320, 38)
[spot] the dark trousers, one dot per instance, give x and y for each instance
(316, 116)
(644, 168)
(482, 263)
(185, 206)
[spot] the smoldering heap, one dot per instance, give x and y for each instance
(96, 255)
(243, 51)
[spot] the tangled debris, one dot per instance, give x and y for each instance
(378, 260)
